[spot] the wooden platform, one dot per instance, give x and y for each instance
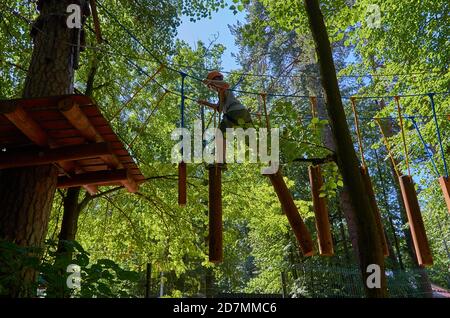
(71, 132)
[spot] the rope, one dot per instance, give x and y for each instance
(183, 98)
(155, 58)
(427, 149)
(438, 133)
(149, 79)
(358, 132)
(264, 100)
(145, 123)
(388, 148)
(405, 147)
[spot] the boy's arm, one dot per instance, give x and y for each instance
(208, 104)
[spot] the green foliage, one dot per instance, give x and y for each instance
(119, 234)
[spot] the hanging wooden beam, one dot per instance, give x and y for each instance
(369, 188)
(93, 178)
(20, 118)
(98, 31)
(17, 159)
(215, 214)
(445, 186)
(290, 209)
(182, 184)
(415, 220)
(324, 236)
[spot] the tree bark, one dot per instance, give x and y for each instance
(69, 222)
(315, 88)
(27, 194)
(370, 249)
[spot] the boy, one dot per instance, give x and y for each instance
(234, 113)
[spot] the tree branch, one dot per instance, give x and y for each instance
(317, 161)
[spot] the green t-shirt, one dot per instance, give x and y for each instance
(230, 103)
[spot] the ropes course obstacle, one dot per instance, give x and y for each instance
(215, 214)
(290, 210)
(323, 228)
(70, 132)
(368, 184)
(409, 196)
(182, 173)
(287, 203)
(324, 236)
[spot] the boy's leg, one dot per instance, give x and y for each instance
(224, 124)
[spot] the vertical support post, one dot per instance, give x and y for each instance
(148, 281)
(445, 186)
(182, 169)
(419, 236)
(324, 236)
(182, 182)
(369, 187)
(290, 209)
(215, 214)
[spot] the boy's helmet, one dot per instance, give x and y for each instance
(212, 75)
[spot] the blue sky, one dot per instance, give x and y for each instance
(205, 29)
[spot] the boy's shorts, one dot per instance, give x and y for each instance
(236, 118)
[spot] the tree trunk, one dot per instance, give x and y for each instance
(27, 194)
(69, 222)
(315, 89)
(370, 249)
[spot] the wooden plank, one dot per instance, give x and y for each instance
(57, 130)
(63, 133)
(69, 141)
(90, 162)
(371, 193)
(45, 115)
(55, 125)
(20, 118)
(415, 220)
(47, 102)
(290, 209)
(15, 159)
(130, 184)
(93, 168)
(93, 178)
(71, 111)
(445, 186)
(13, 140)
(90, 110)
(182, 184)
(323, 227)
(215, 215)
